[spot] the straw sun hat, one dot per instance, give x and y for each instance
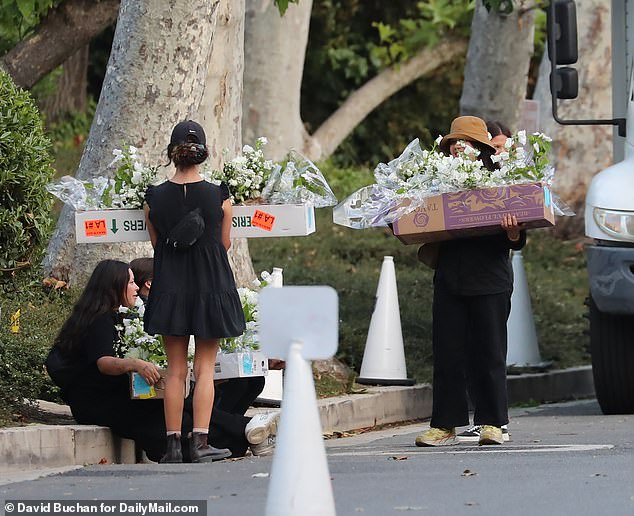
(469, 128)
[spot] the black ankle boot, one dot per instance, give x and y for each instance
(173, 455)
(201, 451)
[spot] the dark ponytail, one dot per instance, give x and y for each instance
(187, 154)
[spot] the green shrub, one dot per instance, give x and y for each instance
(25, 169)
(22, 354)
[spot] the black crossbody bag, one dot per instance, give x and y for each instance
(187, 232)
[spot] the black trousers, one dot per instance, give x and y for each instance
(140, 420)
(469, 346)
(228, 421)
(144, 420)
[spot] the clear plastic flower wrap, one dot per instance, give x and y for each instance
(80, 195)
(299, 181)
(404, 184)
(125, 190)
(368, 207)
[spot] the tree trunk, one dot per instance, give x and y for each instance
(580, 151)
(70, 95)
(496, 74)
(274, 50)
(155, 78)
(66, 28)
(221, 109)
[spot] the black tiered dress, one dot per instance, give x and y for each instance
(193, 290)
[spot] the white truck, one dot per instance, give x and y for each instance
(609, 207)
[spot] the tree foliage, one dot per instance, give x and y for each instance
(353, 40)
(25, 169)
(425, 28)
(19, 17)
(282, 5)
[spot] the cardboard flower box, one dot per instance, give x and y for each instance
(141, 390)
(250, 221)
(103, 226)
(475, 212)
(241, 364)
(272, 220)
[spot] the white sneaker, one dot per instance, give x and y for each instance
(472, 434)
(261, 426)
(265, 448)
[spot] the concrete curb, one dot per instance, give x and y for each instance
(47, 446)
(561, 385)
(377, 406)
(42, 447)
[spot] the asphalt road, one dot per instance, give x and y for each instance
(562, 459)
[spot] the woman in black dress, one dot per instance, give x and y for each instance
(472, 301)
(193, 290)
(93, 381)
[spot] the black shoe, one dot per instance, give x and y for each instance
(173, 455)
(201, 451)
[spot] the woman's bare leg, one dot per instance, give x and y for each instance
(176, 349)
(204, 364)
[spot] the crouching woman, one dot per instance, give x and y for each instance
(93, 381)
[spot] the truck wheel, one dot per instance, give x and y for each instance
(612, 347)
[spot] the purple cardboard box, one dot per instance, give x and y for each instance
(475, 212)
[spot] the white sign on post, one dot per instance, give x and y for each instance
(306, 314)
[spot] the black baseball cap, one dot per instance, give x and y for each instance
(188, 131)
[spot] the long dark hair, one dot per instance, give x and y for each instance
(497, 128)
(104, 293)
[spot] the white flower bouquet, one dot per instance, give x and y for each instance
(251, 177)
(131, 180)
(245, 175)
(248, 341)
(125, 190)
(133, 342)
(403, 184)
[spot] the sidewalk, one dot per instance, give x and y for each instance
(43, 449)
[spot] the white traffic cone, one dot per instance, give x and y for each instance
(384, 355)
(273, 382)
(300, 479)
(523, 350)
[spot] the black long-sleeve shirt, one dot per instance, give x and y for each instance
(478, 265)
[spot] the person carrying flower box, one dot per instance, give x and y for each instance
(472, 299)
